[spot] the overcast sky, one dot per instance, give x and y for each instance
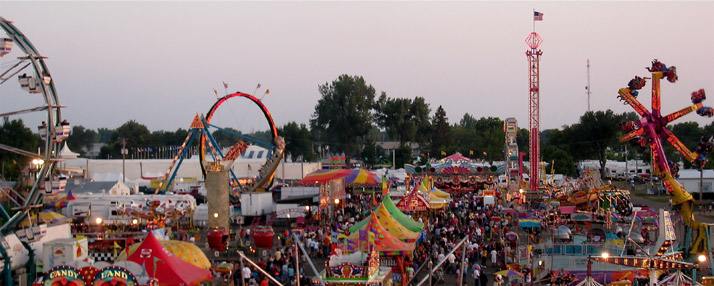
(158, 62)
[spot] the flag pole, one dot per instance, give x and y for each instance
(256, 89)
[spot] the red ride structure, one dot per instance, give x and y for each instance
(534, 40)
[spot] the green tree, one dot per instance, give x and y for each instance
(224, 138)
(468, 121)
(403, 118)
(297, 141)
(440, 136)
(523, 140)
(105, 135)
(464, 139)
(15, 134)
(564, 163)
(344, 111)
(81, 139)
(403, 155)
(178, 137)
(490, 137)
(419, 112)
(690, 134)
(598, 130)
(136, 135)
(264, 136)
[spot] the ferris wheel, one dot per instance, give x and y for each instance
(33, 98)
(210, 150)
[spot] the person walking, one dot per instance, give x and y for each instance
(476, 274)
(494, 256)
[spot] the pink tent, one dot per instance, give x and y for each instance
(456, 157)
(164, 266)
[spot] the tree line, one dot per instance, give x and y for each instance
(351, 119)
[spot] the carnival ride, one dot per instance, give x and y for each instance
(276, 146)
(457, 173)
(39, 181)
(651, 128)
(601, 200)
(211, 152)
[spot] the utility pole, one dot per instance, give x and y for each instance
(123, 159)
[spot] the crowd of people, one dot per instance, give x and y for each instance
(484, 226)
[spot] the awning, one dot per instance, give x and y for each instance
(324, 176)
(529, 223)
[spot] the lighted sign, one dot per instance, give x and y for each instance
(63, 275)
(114, 276)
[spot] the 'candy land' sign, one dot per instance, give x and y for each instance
(63, 276)
(114, 276)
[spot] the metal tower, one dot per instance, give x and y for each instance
(534, 40)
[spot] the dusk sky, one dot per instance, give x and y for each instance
(158, 62)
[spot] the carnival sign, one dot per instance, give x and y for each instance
(413, 203)
(115, 276)
(63, 276)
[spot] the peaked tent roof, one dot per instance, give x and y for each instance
(396, 229)
(588, 281)
(392, 211)
(676, 278)
(324, 176)
(65, 153)
(402, 218)
(456, 157)
(384, 242)
(413, 203)
(362, 177)
(170, 270)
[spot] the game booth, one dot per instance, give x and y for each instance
(393, 235)
(355, 269)
(148, 263)
(457, 173)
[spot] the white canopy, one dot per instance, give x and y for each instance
(589, 281)
(65, 153)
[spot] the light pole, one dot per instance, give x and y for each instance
(123, 159)
(604, 277)
(522, 199)
(36, 165)
(701, 259)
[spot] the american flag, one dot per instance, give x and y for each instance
(537, 16)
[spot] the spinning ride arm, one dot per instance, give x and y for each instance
(652, 126)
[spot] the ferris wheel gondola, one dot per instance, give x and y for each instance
(22, 60)
(35, 79)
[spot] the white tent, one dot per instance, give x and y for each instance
(677, 278)
(65, 153)
(589, 281)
